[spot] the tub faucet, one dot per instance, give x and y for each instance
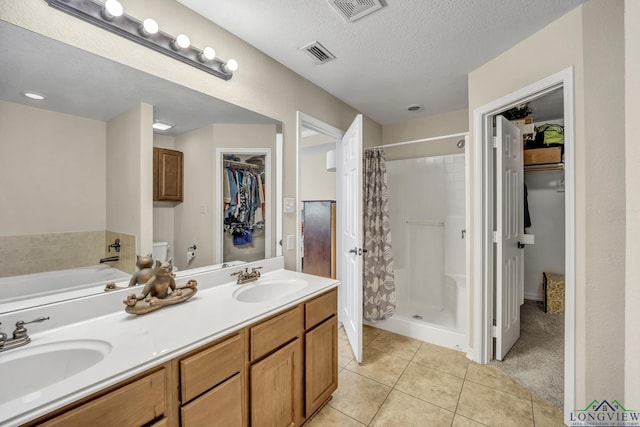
(109, 259)
(20, 336)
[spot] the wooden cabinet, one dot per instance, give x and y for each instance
(319, 221)
(321, 351)
(277, 372)
(211, 385)
(276, 388)
(220, 407)
(167, 175)
(136, 404)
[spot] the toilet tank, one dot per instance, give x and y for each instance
(160, 250)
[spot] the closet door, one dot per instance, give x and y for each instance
(509, 232)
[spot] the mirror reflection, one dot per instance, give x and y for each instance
(77, 170)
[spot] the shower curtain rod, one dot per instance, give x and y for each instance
(433, 138)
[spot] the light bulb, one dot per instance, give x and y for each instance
(181, 42)
(112, 9)
(33, 95)
(149, 26)
(207, 54)
(230, 66)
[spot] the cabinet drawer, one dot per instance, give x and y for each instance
(200, 372)
(275, 332)
(134, 404)
(320, 308)
(221, 406)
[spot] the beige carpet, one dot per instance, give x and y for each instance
(537, 359)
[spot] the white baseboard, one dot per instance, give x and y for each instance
(534, 297)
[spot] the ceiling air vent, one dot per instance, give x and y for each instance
(352, 10)
(318, 53)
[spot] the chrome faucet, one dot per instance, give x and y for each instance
(246, 276)
(20, 336)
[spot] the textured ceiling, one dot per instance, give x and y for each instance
(408, 52)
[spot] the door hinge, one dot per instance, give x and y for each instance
(494, 331)
(494, 141)
(495, 237)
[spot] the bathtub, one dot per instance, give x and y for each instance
(36, 285)
(444, 326)
(29, 290)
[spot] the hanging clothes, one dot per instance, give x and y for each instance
(243, 193)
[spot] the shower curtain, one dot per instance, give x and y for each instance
(379, 297)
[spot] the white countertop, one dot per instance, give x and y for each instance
(142, 342)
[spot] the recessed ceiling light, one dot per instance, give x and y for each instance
(161, 126)
(414, 107)
(33, 95)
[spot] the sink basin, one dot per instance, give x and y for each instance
(265, 290)
(29, 369)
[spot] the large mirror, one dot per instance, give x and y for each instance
(76, 170)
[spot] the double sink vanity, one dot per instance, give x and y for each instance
(261, 353)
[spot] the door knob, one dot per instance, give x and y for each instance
(353, 251)
(520, 245)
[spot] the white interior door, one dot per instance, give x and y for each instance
(349, 215)
(509, 232)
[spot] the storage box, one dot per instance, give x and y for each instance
(553, 285)
(538, 156)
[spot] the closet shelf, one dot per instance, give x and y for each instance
(233, 163)
(544, 167)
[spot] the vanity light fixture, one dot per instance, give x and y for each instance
(207, 54)
(230, 66)
(110, 16)
(149, 27)
(33, 95)
(162, 126)
(112, 9)
(181, 42)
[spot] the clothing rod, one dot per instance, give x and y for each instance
(433, 138)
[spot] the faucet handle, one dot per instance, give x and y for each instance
(239, 272)
(21, 331)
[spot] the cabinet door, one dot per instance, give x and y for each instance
(276, 388)
(321, 368)
(167, 175)
(220, 407)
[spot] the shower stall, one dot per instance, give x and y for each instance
(427, 210)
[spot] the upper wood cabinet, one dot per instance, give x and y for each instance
(167, 175)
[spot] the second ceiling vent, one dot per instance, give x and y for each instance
(352, 10)
(318, 53)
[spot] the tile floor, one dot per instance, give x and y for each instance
(405, 382)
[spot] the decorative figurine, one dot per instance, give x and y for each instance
(159, 291)
(145, 270)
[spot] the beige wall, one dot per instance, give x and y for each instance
(163, 212)
(52, 168)
(632, 266)
(426, 127)
(261, 83)
(316, 183)
(129, 175)
(191, 226)
(590, 40)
